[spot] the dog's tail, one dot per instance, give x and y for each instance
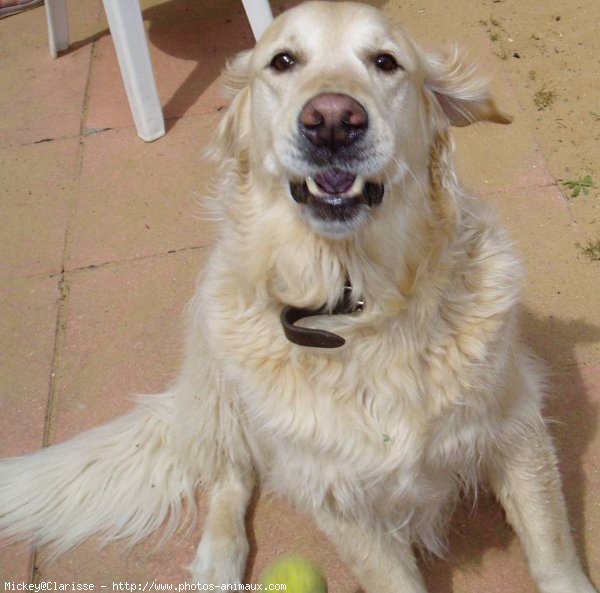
(121, 480)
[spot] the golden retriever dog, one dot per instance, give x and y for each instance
(352, 343)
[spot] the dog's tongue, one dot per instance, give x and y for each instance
(334, 181)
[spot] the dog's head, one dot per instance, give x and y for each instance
(335, 106)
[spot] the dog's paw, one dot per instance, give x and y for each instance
(220, 561)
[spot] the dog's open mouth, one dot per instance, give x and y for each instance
(337, 196)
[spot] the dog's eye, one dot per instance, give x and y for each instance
(386, 63)
(283, 61)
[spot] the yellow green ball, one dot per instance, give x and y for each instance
(297, 574)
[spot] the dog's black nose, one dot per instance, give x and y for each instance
(333, 120)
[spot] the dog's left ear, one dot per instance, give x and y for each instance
(460, 90)
(235, 74)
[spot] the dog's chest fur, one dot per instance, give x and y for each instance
(397, 420)
(365, 432)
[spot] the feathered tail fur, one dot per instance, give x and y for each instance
(121, 480)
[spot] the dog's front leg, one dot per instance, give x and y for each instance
(525, 478)
(381, 564)
(211, 439)
(223, 550)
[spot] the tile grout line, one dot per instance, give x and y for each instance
(64, 282)
(107, 264)
(59, 336)
(65, 274)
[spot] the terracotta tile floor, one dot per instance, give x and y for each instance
(102, 239)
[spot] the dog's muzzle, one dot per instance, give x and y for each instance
(333, 127)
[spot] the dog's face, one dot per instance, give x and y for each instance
(329, 82)
(341, 105)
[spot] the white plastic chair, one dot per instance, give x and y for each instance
(127, 30)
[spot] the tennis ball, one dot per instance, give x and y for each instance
(297, 574)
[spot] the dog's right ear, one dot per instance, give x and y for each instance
(232, 131)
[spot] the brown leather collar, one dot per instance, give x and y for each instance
(317, 338)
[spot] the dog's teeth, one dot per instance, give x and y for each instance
(357, 187)
(313, 188)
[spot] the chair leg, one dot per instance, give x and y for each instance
(58, 26)
(259, 14)
(127, 30)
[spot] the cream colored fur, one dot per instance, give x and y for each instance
(432, 391)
